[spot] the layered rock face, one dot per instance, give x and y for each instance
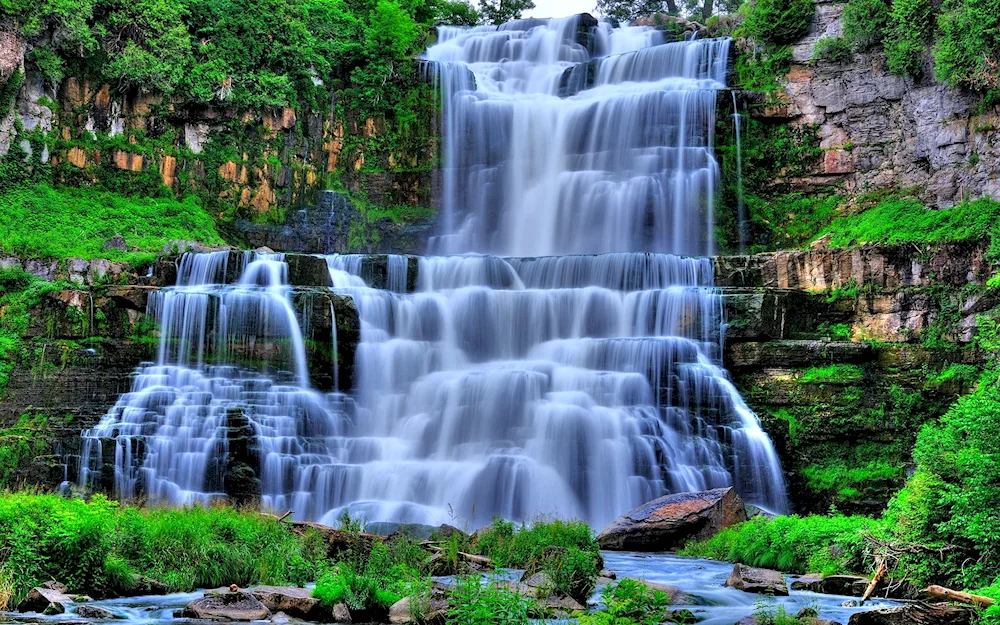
(882, 131)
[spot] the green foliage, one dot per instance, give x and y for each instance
(21, 443)
(950, 504)
(42, 221)
(866, 23)
(566, 550)
(821, 544)
(832, 49)
(778, 21)
(374, 581)
(911, 26)
(835, 331)
(500, 11)
(629, 602)
(832, 374)
(99, 546)
(967, 52)
(475, 603)
(897, 220)
(953, 373)
(845, 481)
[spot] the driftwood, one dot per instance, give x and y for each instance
(940, 593)
(468, 557)
(916, 614)
(880, 572)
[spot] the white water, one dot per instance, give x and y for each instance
(517, 385)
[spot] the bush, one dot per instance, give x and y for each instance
(949, 506)
(813, 544)
(566, 550)
(865, 23)
(832, 49)
(968, 48)
(910, 29)
(629, 602)
(372, 582)
(778, 21)
(473, 603)
(836, 374)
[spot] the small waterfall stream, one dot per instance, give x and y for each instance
(576, 371)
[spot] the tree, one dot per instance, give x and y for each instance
(503, 11)
(627, 10)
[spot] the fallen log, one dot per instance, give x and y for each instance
(880, 572)
(941, 593)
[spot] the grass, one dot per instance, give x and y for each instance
(897, 220)
(99, 546)
(848, 481)
(832, 374)
(43, 221)
(812, 544)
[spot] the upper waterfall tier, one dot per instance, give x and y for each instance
(625, 163)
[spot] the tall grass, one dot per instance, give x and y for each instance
(100, 547)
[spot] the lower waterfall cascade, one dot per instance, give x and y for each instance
(561, 357)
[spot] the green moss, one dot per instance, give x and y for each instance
(832, 374)
(832, 49)
(20, 444)
(844, 483)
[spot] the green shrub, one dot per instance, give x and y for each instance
(836, 331)
(778, 21)
(376, 582)
(629, 602)
(967, 52)
(832, 49)
(910, 29)
(475, 603)
(566, 550)
(949, 506)
(866, 23)
(812, 544)
(846, 482)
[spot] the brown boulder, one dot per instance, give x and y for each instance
(227, 605)
(668, 522)
(295, 602)
(760, 581)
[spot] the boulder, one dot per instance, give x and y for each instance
(295, 602)
(45, 600)
(760, 581)
(227, 605)
(675, 595)
(849, 585)
(96, 612)
(916, 614)
(341, 614)
(670, 521)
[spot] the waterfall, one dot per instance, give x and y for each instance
(560, 354)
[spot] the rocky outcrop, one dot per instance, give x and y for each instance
(295, 602)
(883, 131)
(227, 605)
(669, 522)
(758, 581)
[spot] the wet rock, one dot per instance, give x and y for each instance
(295, 602)
(280, 619)
(305, 270)
(675, 595)
(668, 522)
(226, 605)
(95, 612)
(46, 600)
(605, 573)
(916, 614)
(759, 581)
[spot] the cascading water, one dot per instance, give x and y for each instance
(519, 384)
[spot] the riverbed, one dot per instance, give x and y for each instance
(702, 578)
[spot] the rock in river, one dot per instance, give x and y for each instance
(668, 522)
(916, 614)
(295, 602)
(226, 605)
(760, 581)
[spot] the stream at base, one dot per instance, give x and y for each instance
(695, 576)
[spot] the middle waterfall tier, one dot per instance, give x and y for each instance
(577, 386)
